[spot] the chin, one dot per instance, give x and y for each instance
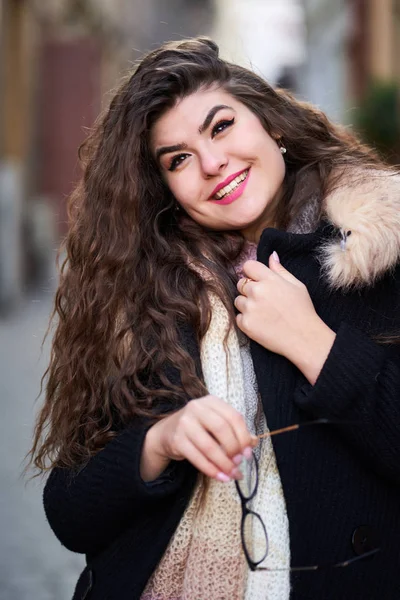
(250, 220)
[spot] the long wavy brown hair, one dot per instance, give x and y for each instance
(131, 274)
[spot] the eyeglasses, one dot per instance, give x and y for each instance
(252, 525)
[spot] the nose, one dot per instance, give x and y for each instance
(212, 161)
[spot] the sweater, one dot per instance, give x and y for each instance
(340, 480)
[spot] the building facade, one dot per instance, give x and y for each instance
(350, 45)
(58, 58)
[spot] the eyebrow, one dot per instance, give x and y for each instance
(211, 114)
(168, 149)
(206, 123)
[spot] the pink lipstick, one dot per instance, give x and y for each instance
(234, 194)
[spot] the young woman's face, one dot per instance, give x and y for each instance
(219, 162)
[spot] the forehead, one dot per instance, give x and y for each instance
(186, 116)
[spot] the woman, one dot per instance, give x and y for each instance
(198, 166)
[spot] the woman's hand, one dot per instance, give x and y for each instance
(207, 432)
(275, 310)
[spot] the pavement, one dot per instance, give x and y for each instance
(33, 563)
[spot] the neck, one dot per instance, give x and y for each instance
(253, 232)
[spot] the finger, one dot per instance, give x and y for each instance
(205, 425)
(243, 325)
(240, 302)
(239, 322)
(201, 462)
(276, 267)
(243, 285)
(236, 421)
(212, 448)
(220, 427)
(256, 270)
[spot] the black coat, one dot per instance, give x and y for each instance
(341, 480)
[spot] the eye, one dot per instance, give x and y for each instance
(176, 161)
(221, 125)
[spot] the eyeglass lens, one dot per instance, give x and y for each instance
(255, 537)
(248, 485)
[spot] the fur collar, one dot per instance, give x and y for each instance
(366, 211)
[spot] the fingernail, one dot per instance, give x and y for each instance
(247, 452)
(237, 459)
(254, 441)
(236, 473)
(223, 477)
(275, 257)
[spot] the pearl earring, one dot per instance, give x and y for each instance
(281, 146)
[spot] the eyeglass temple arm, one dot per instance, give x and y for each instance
(344, 563)
(293, 427)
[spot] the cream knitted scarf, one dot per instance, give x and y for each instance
(204, 559)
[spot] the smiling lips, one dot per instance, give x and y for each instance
(231, 188)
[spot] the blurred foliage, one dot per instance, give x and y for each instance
(378, 118)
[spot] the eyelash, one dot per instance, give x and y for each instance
(176, 160)
(224, 124)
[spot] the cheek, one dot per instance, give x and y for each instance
(254, 141)
(273, 162)
(185, 187)
(279, 164)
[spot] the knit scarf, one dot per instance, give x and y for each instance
(204, 559)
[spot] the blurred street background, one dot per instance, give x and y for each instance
(59, 59)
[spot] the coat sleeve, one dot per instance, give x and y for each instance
(359, 390)
(89, 508)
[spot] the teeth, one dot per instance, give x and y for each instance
(231, 186)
